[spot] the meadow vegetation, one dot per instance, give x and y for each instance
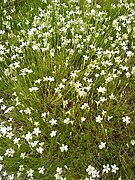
(67, 90)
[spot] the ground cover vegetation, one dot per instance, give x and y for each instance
(67, 90)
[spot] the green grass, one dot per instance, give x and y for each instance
(79, 57)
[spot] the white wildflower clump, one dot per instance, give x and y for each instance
(58, 175)
(67, 74)
(113, 168)
(48, 78)
(25, 71)
(92, 172)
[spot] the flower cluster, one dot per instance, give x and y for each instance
(67, 75)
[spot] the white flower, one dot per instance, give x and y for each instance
(25, 70)
(9, 135)
(3, 130)
(67, 121)
(90, 169)
(64, 148)
(41, 144)
(63, 178)
(106, 168)
(59, 170)
(4, 173)
(1, 166)
(36, 131)
(57, 176)
(1, 158)
(99, 119)
(86, 178)
(9, 109)
(33, 89)
(103, 99)
(35, 46)
(85, 106)
(43, 114)
(102, 72)
(102, 145)
(38, 81)
(51, 79)
(53, 133)
(52, 51)
(65, 103)
(132, 142)
(16, 140)
(61, 86)
(83, 119)
(112, 97)
(133, 70)
(97, 102)
(114, 168)
(41, 170)
(129, 53)
(9, 152)
(40, 150)
(103, 112)
(53, 122)
(95, 173)
(85, 56)
(18, 174)
(126, 119)
(109, 118)
(96, 75)
(65, 166)
(92, 172)
(36, 123)
(73, 74)
(101, 89)
(28, 136)
(10, 119)
(21, 168)
(89, 1)
(3, 107)
(128, 74)
(27, 111)
(30, 173)
(23, 155)
(120, 178)
(33, 144)
(11, 177)
(81, 93)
